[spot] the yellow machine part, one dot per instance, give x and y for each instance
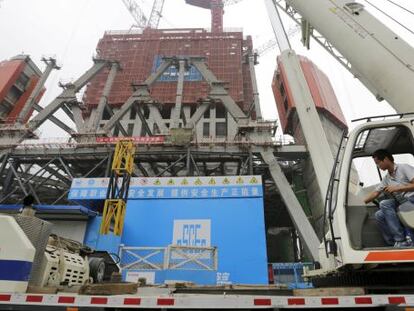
(114, 213)
(114, 208)
(124, 157)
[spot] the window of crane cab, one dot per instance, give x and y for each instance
(363, 177)
(364, 174)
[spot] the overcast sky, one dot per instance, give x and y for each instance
(70, 30)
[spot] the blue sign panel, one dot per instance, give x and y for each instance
(225, 213)
(171, 74)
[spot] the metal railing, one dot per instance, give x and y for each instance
(70, 143)
(191, 258)
(172, 257)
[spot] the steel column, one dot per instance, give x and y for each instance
(67, 94)
(176, 111)
(96, 115)
(55, 120)
(31, 101)
(256, 99)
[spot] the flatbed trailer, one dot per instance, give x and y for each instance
(164, 299)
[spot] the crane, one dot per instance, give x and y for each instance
(351, 34)
(138, 15)
(272, 43)
(384, 63)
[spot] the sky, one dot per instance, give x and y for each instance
(70, 30)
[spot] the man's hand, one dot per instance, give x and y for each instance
(371, 196)
(392, 189)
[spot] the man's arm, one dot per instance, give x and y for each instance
(401, 188)
(372, 196)
(408, 171)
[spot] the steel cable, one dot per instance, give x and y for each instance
(400, 6)
(389, 16)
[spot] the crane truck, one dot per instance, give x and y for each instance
(351, 252)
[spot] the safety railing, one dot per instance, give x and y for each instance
(172, 257)
(191, 258)
(142, 258)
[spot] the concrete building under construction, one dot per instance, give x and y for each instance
(141, 53)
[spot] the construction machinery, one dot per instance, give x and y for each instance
(352, 251)
(33, 257)
(139, 16)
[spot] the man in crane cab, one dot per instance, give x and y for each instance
(397, 187)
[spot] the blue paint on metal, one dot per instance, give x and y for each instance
(171, 74)
(93, 239)
(236, 229)
(177, 192)
(222, 212)
(53, 209)
(15, 270)
(200, 277)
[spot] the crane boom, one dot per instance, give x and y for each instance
(136, 12)
(378, 57)
(156, 12)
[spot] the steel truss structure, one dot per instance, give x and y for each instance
(308, 31)
(46, 171)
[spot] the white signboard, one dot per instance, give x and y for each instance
(134, 276)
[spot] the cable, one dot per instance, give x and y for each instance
(401, 7)
(389, 16)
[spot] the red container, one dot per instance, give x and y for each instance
(321, 90)
(18, 78)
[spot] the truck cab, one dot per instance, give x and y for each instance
(353, 237)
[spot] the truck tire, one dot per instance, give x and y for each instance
(97, 269)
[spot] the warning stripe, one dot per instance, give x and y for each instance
(165, 302)
(400, 255)
(263, 302)
(330, 301)
(204, 301)
(296, 301)
(34, 298)
(132, 301)
(5, 297)
(99, 300)
(66, 299)
(363, 300)
(396, 300)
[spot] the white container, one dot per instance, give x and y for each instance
(16, 256)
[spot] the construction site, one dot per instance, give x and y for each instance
(169, 172)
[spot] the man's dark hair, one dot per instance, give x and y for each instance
(28, 200)
(381, 154)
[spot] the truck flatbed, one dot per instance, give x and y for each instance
(166, 298)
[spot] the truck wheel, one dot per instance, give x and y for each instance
(97, 269)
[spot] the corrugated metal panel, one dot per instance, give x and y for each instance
(321, 90)
(18, 78)
(18, 106)
(9, 72)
